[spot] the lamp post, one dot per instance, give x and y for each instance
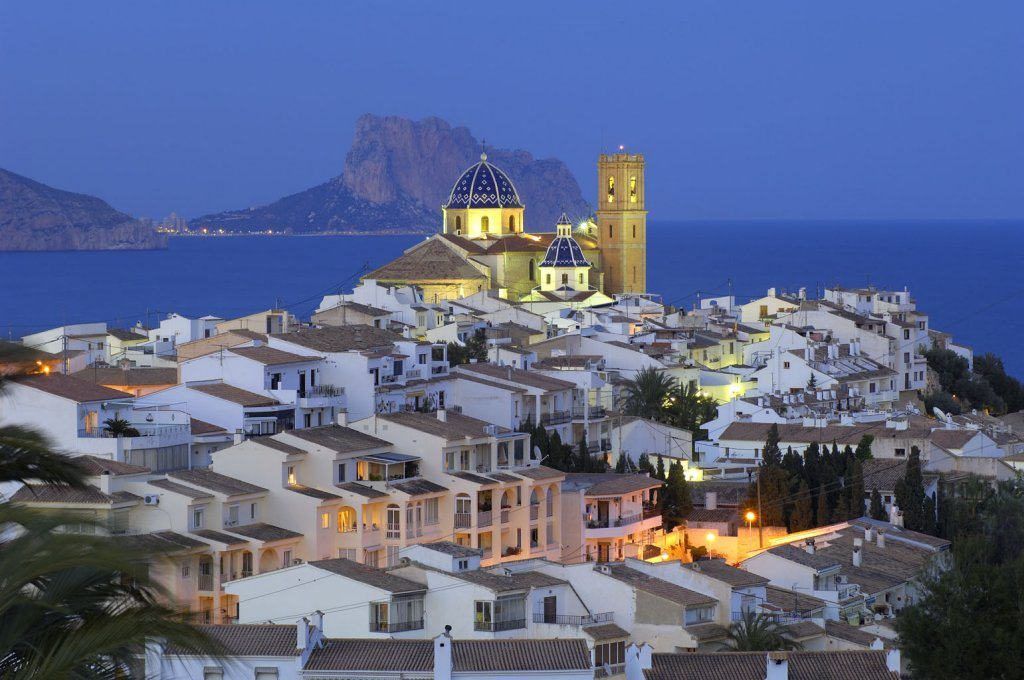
(750, 517)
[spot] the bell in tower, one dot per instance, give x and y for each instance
(622, 222)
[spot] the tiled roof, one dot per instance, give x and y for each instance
(787, 600)
(174, 487)
(368, 655)
(500, 583)
(474, 479)
(232, 338)
(95, 465)
(431, 260)
(490, 383)
(202, 427)
(358, 337)
(952, 439)
(706, 632)
(234, 394)
(845, 631)
(883, 473)
(841, 434)
(801, 630)
(339, 439)
(137, 376)
(361, 490)
(214, 481)
(357, 307)
(264, 532)
(718, 569)
(540, 472)
(162, 541)
(70, 387)
(218, 536)
(816, 561)
(729, 493)
(503, 477)
(247, 639)
(372, 576)
(312, 492)
(718, 515)
(608, 483)
(511, 656)
(454, 427)
(278, 445)
(658, 587)
(417, 487)
(453, 549)
(270, 356)
(55, 493)
(517, 376)
(830, 665)
(126, 334)
(605, 631)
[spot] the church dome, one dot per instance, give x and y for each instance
(564, 251)
(483, 186)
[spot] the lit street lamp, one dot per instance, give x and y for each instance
(750, 517)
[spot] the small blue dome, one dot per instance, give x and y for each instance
(483, 186)
(564, 251)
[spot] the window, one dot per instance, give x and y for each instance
(463, 565)
(379, 617)
(398, 366)
(341, 472)
(906, 357)
(785, 364)
(872, 388)
(482, 619)
(252, 511)
(197, 518)
(611, 190)
(900, 452)
(432, 515)
(632, 195)
(547, 278)
(232, 516)
(610, 654)
(530, 269)
(581, 277)
(421, 359)
(611, 231)
(325, 520)
(291, 475)
(392, 555)
(906, 334)
(699, 615)
(186, 571)
(286, 559)
(565, 279)
(266, 674)
(485, 223)
(511, 222)
(458, 224)
(213, 673)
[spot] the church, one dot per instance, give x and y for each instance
(484, 244)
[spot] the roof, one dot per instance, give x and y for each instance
(721, 571)
(205, 478)
(830, 665)
(397, 656)
(261, 531)
(605, 631)
(608, 483)
(840, 434)
(339, 439)
(218, 536)
(883, 473)
(787, 600)
(247, 639)
(69, 387)
(517, 375)
(502, 583)
(312, 492)
(174, 487)
(453, 549)
(952, 439)
(135, 376)
(454, 427)
(718, 515)
(564, 252)
(845, 631)
(355, 337)
(161, 541)
(816, 561)
(58, 493)
(800, 630)
(361, 490)
(271, 356)
(483, 186)
(234, 394)
(706, 632)
(126, 334)
(417, 487)
(357, 307)
(431, 260)
(658, 587)
(540, 472)
(202, 427)
(94, 465)
(371, 576)
(278, 445)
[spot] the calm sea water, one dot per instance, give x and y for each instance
(967, 275)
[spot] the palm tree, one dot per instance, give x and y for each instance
(758, 633)
(72, 605)
(647, 394)
(689, 409)
(119, 427)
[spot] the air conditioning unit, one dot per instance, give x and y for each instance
(297, 560)
(151, 499)
(842, 579)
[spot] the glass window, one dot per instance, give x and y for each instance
(325, 520)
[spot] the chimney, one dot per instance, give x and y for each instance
(892, 660)
(802, 293)
(710, 500)
(778, 666)
(342, 418)
(442, 415)
(239, 436)
(302, 633)
(771, 292)
(318, 620)
(857, 544)
(105, 481)
(809, 546)
(443, 655)
(638, 659)
(869, 534)
(881, 538)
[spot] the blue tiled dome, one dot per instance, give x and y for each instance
(564, 251)
(483, 186)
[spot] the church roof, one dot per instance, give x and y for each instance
(483, 186)
(564, 251)
(432, 260)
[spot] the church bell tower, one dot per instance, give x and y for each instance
(622, 222)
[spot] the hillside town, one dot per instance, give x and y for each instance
(500, 456)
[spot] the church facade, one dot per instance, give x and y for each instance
(484, 244)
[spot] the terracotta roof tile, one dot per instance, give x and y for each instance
(372, 576)
(658, 587)
(246, 639)
(270, 356)
(833, 665)
(214, 481)
(234, 394)
(70, 387)
(261, 531)
(339, 439)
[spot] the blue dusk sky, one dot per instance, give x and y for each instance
(773, 109)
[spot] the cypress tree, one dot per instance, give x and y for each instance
(856, 496)
(802, 516)
(910, 496)
(821, 515)
(772, 455)
(659, 470)
(877, 510)
(620, 464)
(863, 451)
(677, 502)
(644, 463)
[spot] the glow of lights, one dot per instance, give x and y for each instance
(750, 516)
(46, 370)
(622, 147)
(664, 555)
(710, 537)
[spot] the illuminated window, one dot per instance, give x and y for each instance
(632, 189)
(611, 189)
(511, 222)
(485, 223)
(291, 474)
(325, 520)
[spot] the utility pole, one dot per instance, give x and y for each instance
(760, 520)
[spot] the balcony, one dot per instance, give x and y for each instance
(438, 370)
(609, 670)
(590, 412)
(484, 518)
(555, 418)
(463, 520)
(505, 512)
(396, 626)
(394, 530)
(318, 396)
(206, 582)
(572, 619)
(497, 626)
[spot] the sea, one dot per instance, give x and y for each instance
(966, 275)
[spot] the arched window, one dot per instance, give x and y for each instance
(632, 189)
(511, 222)
(346, 520)
(485, 223)
(610, 231)
(458, 224)
(611, 189)
(549, 502)
(531, 267)
(534, 499)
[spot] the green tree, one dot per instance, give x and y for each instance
(863, 451)
(755, 632)
(688, 409)
(677, 503)
(119, 427)
(474, 349)
(821, 515)
(1009, 389)
(647, 394)
(772, 455)
(910, 496)
(802, 517)
(659, 470)
(643, 463)
(877, 510)
(856, 496)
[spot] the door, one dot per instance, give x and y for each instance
(603, 552)
(302, 383)
(602, 512)
(550, 608)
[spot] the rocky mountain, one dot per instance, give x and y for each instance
(397, 174)
(34, 216)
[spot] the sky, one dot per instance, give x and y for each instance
(744, 109)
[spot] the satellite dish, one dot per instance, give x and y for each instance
(939, 414)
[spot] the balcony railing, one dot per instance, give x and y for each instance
(534, 512)
(395, 626)
(573, 619)
(496, 626)
(555, 418)
(206, 582)
(588, 411)
(597, 523)
(322, 391)
(628, 519)
(394, 530)
(437, 370)
(609, 669)
(463, 520)
(504, 515)
(484, 518)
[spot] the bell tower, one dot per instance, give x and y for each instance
(622, 222)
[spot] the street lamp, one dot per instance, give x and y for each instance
(750, 517)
